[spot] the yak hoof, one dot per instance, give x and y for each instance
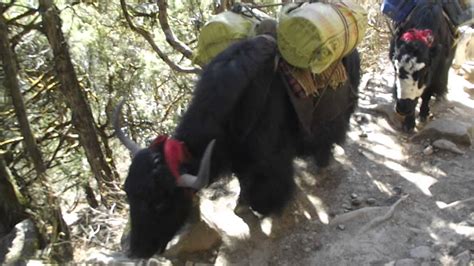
(423, 119)
(408, 128)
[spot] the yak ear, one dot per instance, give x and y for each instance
(202, 179)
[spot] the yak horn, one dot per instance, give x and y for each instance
(202, 179)
(126, 141)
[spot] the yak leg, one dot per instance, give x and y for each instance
(409, 123)
(439, 86)
(267, 186)
(425, 108)
(323, 155)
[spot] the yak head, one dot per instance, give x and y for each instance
(411, 59)
(159, 191)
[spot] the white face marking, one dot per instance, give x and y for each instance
(408, 88)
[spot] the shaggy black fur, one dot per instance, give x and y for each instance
(241, 101)
(438, 59)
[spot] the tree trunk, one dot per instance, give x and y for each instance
(11, 83)
(90, 196)
(50, 213)
(82, 117)
(11, 210)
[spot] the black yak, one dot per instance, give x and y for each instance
(422, 51)
(242, 103)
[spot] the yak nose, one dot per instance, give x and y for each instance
(405, 106)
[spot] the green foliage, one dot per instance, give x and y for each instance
(111, 62)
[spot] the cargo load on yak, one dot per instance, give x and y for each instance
(460, 12)
(315, 35)
(224, 29)
(310, 36)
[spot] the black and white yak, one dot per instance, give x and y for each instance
(241, 106)
(422, 51)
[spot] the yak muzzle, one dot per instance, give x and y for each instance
(405, 106)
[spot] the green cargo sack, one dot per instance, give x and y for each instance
(315, 35)
(221, 31)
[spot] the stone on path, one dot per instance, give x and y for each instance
(421, 252)
(199, 237)
(447, 145)
(454, 131)
(463, 259)
(406, 262)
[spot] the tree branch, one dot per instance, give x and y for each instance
(170, 106)
(26, 29)
(5, 6)
(170, 37)
(58, 148)
(30, 12)
(137, 13)
(10, 141)
(145, 34)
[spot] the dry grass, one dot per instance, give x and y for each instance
(374, 47)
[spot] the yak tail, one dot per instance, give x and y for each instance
(352, 65)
